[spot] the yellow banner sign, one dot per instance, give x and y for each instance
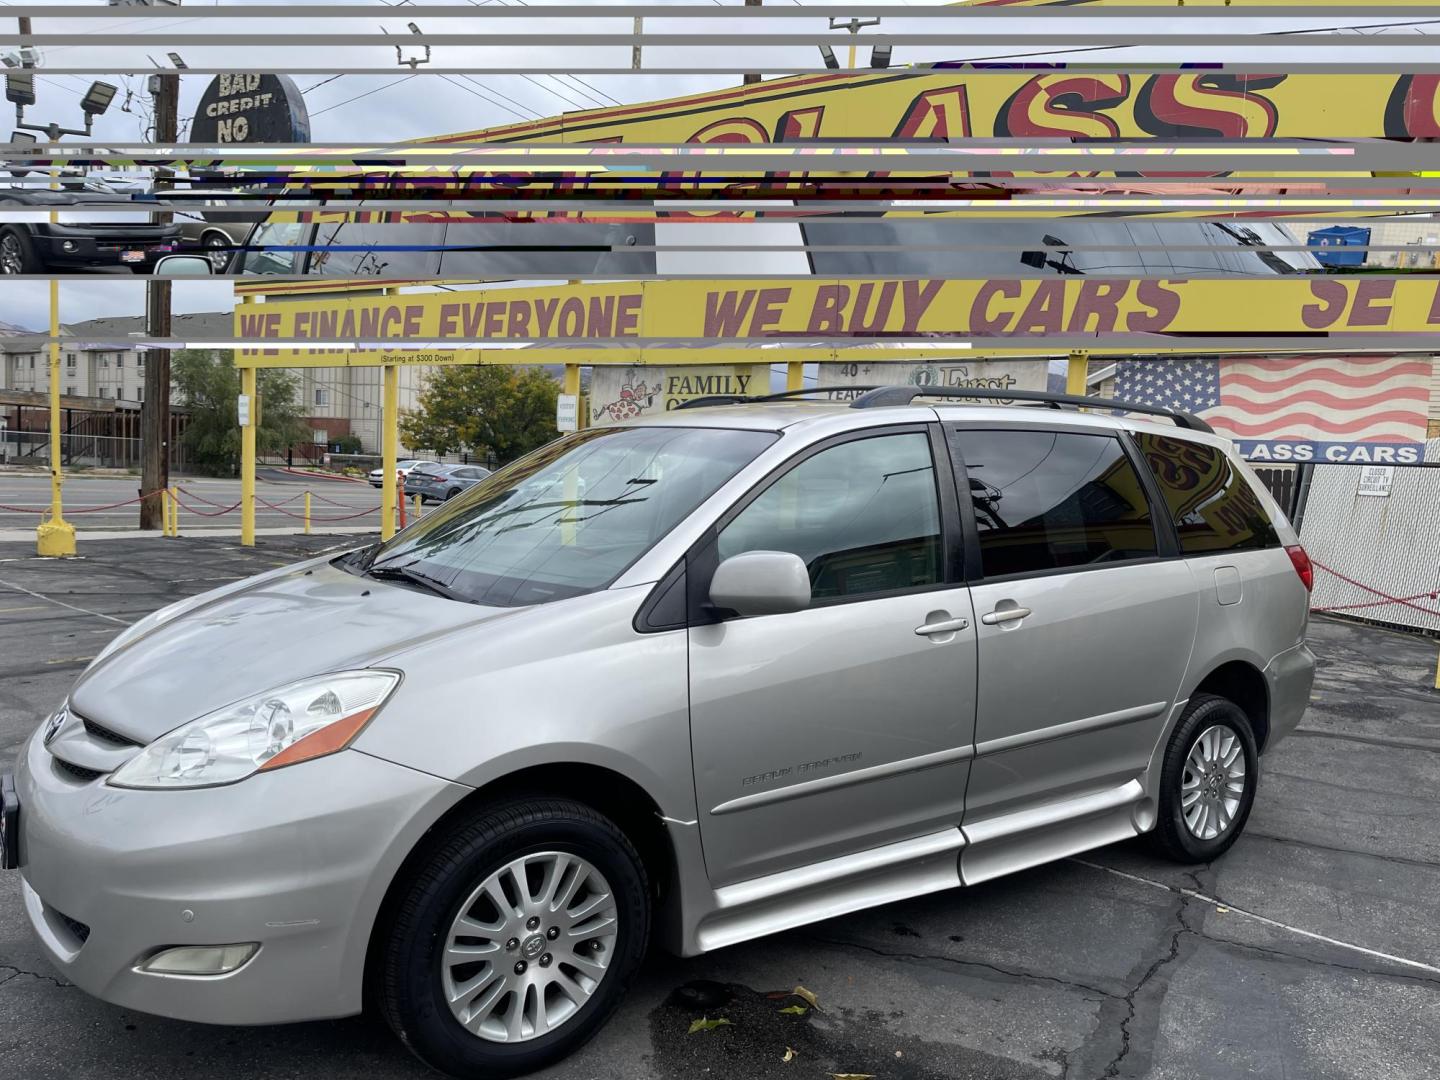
(957, 103)
(914, 310)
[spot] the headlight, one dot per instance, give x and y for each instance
(304, 720)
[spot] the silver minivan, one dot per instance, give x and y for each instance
(695, 679)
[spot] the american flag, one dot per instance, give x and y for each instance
(1356, 399)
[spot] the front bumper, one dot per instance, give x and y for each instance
(1289, 678)
(297, 860)
(57, 245)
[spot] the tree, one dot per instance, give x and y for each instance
(509, 411)
(208, 385)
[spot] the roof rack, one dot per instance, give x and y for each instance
(874, 397)
(904, 395)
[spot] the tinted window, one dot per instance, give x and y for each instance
(489, 249)
(1047, 500)
(1213, 504)
(863, 515)
(570, 517)
(284, 235)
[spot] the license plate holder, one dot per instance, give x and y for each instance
(9, 823)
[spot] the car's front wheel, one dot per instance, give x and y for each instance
(217, 250)
(17, 254)
(515, 938)
(1208, 781)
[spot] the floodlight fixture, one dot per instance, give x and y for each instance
(828, 54)
(98, 98)
(20, 88)
(880, 56)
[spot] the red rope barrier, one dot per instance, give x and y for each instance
(315, 520)
(1404, 601)
(82, 509)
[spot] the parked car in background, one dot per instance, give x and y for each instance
(442, 482)
(81, 238)
(863, 652)
(404, 467)
(214, 229)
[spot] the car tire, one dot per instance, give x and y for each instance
(216, 250)
(451, 494)
(1207, 781)
(17, 254)
(550, 840)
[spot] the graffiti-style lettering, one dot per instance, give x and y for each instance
(1215, 104)
(937, 114)
(1413, 110)
(1064, 105)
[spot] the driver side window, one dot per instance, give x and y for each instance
(863, 515)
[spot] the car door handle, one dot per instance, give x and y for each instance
(945, 626)
(1004, 615)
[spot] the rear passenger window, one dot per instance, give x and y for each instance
(1213, 504)
(864, 515)
(1049, 500)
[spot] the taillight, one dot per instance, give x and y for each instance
(1303, 565)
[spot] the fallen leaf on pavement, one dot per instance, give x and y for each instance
(789, 1055)
(852, 1076)
(706, 1024)
(801, 992)
(795, 1010)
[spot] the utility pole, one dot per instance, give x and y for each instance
(155, 409)
(752, 76)
(635, 49)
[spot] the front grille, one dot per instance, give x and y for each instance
(104, 734)
(77, 772)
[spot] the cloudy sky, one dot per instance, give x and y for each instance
(26, 304)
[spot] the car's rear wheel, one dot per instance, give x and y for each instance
(515, 938)
(451, 494)
(1208, 781)
(17, 254)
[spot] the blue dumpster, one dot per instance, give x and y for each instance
(1343, 245)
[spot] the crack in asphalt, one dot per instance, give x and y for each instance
(1112, 1069)
(1315, 961)
(16, 972)
(1027, 976)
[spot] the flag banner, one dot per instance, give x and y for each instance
(1327, 410)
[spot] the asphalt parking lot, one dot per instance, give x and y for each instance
(1311, 950)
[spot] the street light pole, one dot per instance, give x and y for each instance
(752, 76)
(155, 409)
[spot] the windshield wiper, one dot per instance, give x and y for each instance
(414, 577)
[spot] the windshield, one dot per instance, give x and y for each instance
(572, 516)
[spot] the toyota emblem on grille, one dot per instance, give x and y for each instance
(53, 727)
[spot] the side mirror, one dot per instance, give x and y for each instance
(761, 583)
(183, 266)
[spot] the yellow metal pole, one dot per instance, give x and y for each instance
(247, 461)
(55, 537)
(307, 513)
(389, 445)
(415, 506)
(1076, 372)
(166, 496)
(175, 511)
(795, 375)
(1437, 675)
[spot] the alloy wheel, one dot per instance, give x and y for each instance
(529, 947)
(217, 252)
(12, 258)
(1213, 782)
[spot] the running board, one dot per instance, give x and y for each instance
(1041, 834)
(807, 894)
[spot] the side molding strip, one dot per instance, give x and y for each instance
(856, 776)
(1074, 727)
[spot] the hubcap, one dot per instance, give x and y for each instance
(219, 256)
(529, 947)
(1213, 783)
